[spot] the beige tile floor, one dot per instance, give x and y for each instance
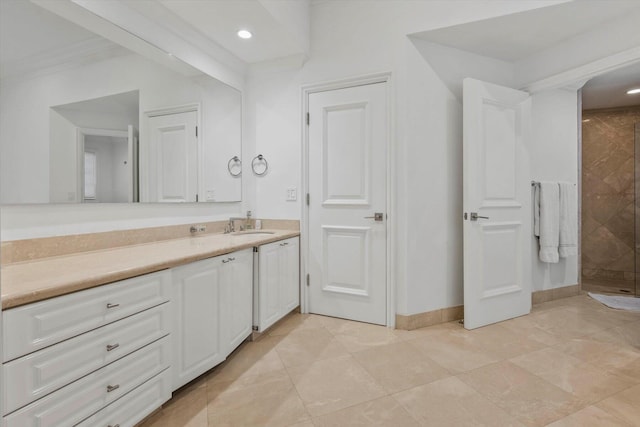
(571, 362)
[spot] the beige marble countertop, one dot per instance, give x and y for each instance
(31, 281)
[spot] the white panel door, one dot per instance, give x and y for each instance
(347, 187)
(174, 152)
(497, 199)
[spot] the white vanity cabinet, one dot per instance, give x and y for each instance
(73, 356)
(212, 312)
(237, 299)
(276, 281)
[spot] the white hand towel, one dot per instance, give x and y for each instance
(568, 243)
(549, 224)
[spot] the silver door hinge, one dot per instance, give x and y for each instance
(308, 119)
(255, 328)
(308, 198)
(255, 249)
(308, 280)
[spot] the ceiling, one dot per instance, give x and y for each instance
(519, 40)
(30, 36)
(126, 102)
(219, 21)
(33, 39)
(517, 36)
(610, 90)
(27, 30)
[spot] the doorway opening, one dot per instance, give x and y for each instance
(610, 261)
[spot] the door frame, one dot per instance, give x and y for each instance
(306, 90)
(574, 79)
(144, 145)
(81, 133)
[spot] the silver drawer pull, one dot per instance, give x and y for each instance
(111, 425)
(109, 305)
(110, 388)
(224, 261)
(112, 347)
(232, 259)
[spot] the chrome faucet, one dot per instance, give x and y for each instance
(231, 225)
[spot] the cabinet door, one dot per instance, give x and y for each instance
(196, 326)
(237, 299)
(289, 274)
(269, 308)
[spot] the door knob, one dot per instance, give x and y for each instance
(378, 216)
(475, 216)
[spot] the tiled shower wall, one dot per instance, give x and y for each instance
(608, 199)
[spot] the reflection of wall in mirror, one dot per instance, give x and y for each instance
(24, 124)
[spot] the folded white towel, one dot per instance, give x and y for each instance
(568, 244)
(548, 204)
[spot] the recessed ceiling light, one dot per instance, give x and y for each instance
(244, 34)
(633, 91)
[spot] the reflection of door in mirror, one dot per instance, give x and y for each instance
(107, 125)
(106, 166)
(173, 155)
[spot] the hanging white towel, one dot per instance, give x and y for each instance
(568, 244)
(547, 200)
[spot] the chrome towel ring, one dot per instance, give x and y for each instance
(255, 165)
(237, 163)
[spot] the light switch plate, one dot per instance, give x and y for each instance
(292, 194)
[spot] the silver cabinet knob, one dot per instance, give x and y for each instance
(112, 346)
(111, 388)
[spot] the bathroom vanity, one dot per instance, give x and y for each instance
(105, 337)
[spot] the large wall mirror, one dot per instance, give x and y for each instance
(84, 120)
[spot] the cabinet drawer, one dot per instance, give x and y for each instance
(131, 408)
(83, 398)
(38, 325)
(38, 374)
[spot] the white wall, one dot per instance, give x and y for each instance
(355, 38)
(62, 181)
(554, 157)
(348, 39)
